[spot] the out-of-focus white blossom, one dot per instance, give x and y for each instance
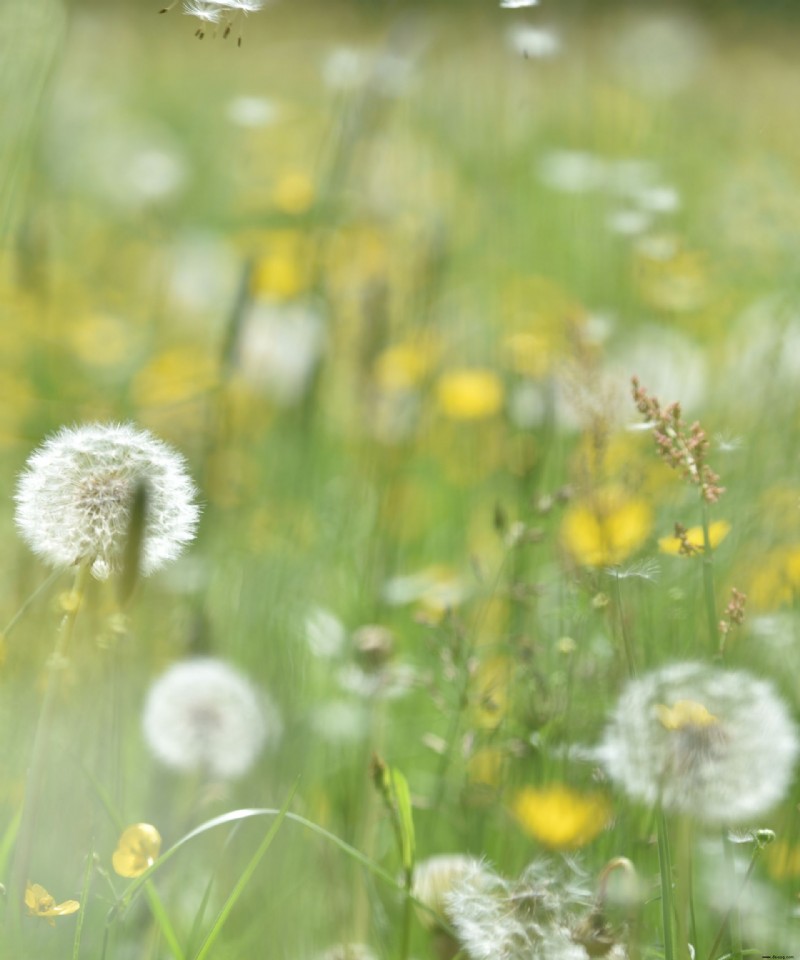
(205, 715)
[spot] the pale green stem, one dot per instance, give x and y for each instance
(708, 579)
(683, 885)
(665, 870)
(33, 783)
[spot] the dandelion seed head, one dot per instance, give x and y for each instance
(74, 499)
(716, 744)
(204, 714)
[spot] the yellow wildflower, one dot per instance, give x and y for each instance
(559, 817)
(783, 861)
(684, 713)
(137, 850)
(41, 904)
(469, 394)
(717, 532)
(606, 529)
(402, 366)
(294, 193)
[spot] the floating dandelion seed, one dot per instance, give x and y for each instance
(74, 499)
(718, 745)
(205, 715)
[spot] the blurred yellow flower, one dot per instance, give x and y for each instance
(559, 817)
(402, 366)
(717, 532)
(605, 529)
(783, 860)
(491, 693)
(41, 904)
(469, 394)
(776, 582)
(137, 850)
(294, 193)
(683, 714)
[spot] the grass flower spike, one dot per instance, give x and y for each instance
(74, 499)
(205, 715)
(717, 745)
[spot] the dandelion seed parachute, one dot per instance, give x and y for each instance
(205, 715)
(718, 745)
(74, 499)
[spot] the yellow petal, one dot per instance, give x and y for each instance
(717, 532)
(469, 394)
(684, 713)
(137, 849)
(603, 531)
(559, 817)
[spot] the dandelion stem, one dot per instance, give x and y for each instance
(33, 783)
(665, 870)
(708, 577)
(683, 884)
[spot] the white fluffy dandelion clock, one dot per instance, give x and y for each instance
(74, 499)
(718, 745)
(205, 715)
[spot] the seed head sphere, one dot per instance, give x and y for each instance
(75, 496)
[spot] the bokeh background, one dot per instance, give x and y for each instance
(382, 273)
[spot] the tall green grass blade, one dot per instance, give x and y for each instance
(244, 879)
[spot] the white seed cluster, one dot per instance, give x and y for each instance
(205, 715)
(75, 497)
(718, 745)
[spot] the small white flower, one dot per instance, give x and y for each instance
(533, 42)
(205, 715)
(74, 499)
(716, 744)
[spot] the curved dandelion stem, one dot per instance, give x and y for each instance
(30, 803)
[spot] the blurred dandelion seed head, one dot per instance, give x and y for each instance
(435, 878)
(74, 499)
(204, 714)
(716, 744)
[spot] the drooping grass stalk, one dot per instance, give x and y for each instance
(47, 582)
(665, 872)
(708, 577)
(35, 776)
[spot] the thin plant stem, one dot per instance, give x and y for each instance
(683, 885)
(665, 871)
(708, 578)
(33, 783)
(47, 582)
(626, 640)
(87, 880)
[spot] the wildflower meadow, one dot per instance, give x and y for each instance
(400, 484)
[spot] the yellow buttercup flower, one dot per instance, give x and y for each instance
(604, 530)
(717, 532)
(559, 817)
(137, 850)
(42, 904)
(469, 394)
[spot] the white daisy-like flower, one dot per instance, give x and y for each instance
(716, 744)
(74, 499)
(205, 715)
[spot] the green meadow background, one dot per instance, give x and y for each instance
(382, 273)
